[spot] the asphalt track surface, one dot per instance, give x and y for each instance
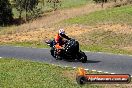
(111, 63)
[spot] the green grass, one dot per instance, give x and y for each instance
(114, 15)
(28, 74)
(101, 48)
(106, 41)
(65, 4)
(74, 3)
(34, 44)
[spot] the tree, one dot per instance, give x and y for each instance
(100, 1)
(6, 15)
(18, 6)
(27, 6)
(129, 1)
(55, 3)
(43, 2)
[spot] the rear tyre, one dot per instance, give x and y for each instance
(58, 57)
(83, 57)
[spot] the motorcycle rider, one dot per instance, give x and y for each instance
(59, 41)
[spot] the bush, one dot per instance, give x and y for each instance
(6, 16)
(99, 1)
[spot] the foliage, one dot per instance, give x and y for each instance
(6, 15)
(29, 6)
(55, 3)
(98, 1)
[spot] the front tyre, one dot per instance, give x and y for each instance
(52, 51)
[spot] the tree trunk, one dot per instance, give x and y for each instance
(102, 5)
(43, 2)
(20, 14)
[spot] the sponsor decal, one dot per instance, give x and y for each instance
(82, 77)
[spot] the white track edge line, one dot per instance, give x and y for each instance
(99, 71)
(74, 67)
(86, 69)
(109, 53)
(66, 66)
(93, 70)
(106, 72)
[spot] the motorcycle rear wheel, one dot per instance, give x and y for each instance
(83, 57)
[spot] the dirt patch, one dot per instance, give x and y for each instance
(76, 30)
(41, 34)
(117, 28)
(128, 48)
(73, 31)
(36, 35)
